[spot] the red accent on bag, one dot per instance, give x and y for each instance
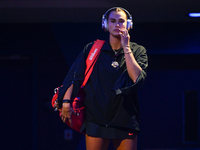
(78, 102)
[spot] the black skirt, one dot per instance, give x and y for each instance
(96, 130)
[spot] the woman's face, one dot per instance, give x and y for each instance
(116, 21)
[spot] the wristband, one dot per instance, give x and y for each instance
(127, 52)
(126, 46)
(66, 101)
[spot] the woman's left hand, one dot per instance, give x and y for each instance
(66, 113)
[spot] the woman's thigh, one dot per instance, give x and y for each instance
(125, 144)
(96, 143)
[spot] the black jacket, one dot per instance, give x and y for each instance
(111, 95)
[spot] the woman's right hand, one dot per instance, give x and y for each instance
(66, 113)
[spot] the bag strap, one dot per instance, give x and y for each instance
(92, 58)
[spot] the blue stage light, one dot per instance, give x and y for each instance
(194, 14)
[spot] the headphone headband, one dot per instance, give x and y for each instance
(127, 13)
(105, 17)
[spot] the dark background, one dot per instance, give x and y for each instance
(37, 49)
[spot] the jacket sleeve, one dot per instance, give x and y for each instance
(75, 75)
(124, 84)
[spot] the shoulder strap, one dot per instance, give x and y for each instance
(92, 58)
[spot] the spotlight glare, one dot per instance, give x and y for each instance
(194, 14)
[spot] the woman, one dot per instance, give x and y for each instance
(111, 103)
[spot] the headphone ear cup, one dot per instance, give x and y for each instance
(104, 24)
(129, 24)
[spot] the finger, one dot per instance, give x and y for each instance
(125, 32)
(63, 119)
(122, 30)
(70, 122)
(121, 34)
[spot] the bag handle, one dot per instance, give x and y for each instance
(92, 58)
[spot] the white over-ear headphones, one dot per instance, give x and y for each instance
(105, 17)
